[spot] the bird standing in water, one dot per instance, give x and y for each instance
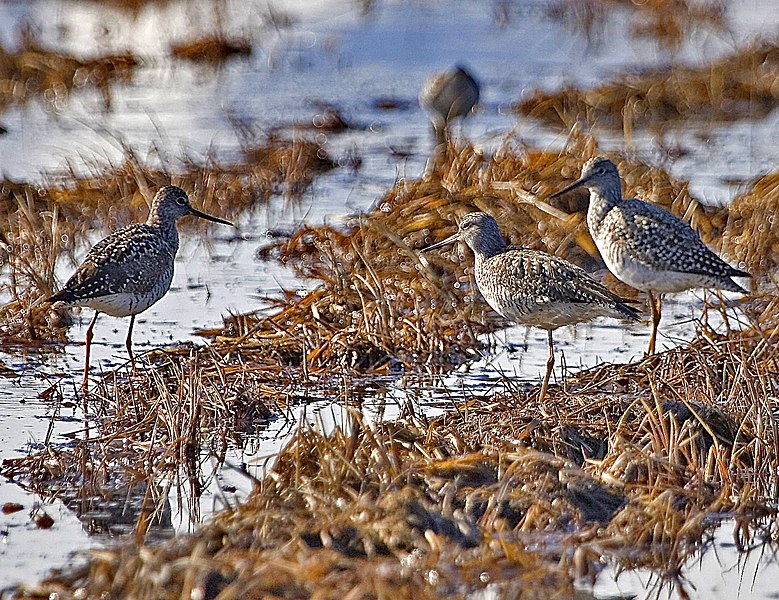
(447, 96)
(646, 246)
(131, 269)
(532, 287)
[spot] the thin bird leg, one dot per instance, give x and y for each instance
(723, 309)
(549, 366)
(89, 347)
(128, 343)
(656, 305)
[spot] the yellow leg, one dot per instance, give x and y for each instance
(655, 304)
(549, 367)
(89, 337)
(128, 343)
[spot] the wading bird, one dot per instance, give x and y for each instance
(447, 96)
(533, 287)
(646, 246)
(128, 271)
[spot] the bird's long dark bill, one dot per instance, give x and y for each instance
(207, 217)
(450, 240)
(568, 188)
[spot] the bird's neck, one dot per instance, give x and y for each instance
(488, 247)
(601, 202)
(166, 228)
(153, 220)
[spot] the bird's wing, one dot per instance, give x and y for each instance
(664, 241)
(130, 260)
(540, 277)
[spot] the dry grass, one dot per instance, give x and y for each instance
(752, 234)
(630, 465)
(669, 23)
(35, 72)
(627, 464)
(431, 509)
(211, 49)
(156, 435)
(739, 86)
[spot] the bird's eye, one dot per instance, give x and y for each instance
(181, 201)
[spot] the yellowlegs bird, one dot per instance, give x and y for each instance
(646, 246)
(447, 96)
(533, 287)
(128, 271)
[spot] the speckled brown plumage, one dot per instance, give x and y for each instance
(131, 269)
(533, 287)
(125, 273)
(646, 246)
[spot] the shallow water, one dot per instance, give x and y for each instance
(331, 54)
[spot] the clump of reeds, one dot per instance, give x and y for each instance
(35, 72)
(150, 434)
(752, 233)
(430, 507)
(213, 49)
(693, 423)
(672, 22)
(667, 22)
(30, 247)
(738, 86)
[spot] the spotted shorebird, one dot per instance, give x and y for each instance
(533, 287)
(447, 96)
(128, 271)
(646, 246)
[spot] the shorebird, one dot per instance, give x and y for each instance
(128, 271)
(447, 96)
(646, 246)
(533, 287)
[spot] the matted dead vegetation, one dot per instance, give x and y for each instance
(632, 459)
(662, 451)
(753, 229)
(669, 23)
(211, 49)
(739, 86)
(49, 76)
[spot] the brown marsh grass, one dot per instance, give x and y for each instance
(48, 76)
(752, 235)
(213, 49)
(631, 465)
(380, 308)
(638, 464)
(669, 23)
(738, 86)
